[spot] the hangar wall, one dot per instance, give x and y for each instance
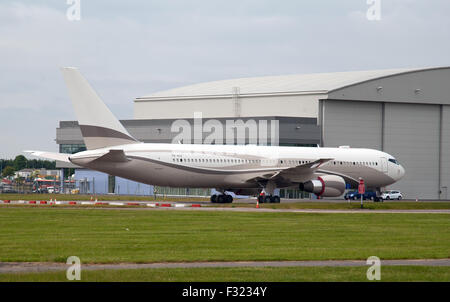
(445, 152)
(409, 132)
(424, 86)
(356, 124)
(412, 136)
(220, 107)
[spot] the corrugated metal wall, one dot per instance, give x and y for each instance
(412, 136)
(409, 132)
(445, 155)
(357, 124)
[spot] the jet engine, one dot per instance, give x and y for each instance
(326, 186)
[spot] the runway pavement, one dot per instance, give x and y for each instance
(29, 267)
(207, 206)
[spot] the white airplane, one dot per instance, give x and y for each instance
(242, 169)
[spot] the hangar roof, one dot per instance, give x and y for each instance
(284, 84)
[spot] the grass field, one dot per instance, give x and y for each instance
(245, 274)
(106, 236)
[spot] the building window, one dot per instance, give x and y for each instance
(71, 148)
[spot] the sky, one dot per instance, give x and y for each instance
(128, 49)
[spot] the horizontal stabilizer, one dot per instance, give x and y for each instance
(113, 156)
(50, 155)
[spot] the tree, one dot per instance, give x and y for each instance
(8, 171)
(20, 162)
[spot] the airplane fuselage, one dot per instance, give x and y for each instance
(232, 166)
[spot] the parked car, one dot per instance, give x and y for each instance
(52, 190)
(350, 195)
(392, 194)
(355, 195)
(40, 191)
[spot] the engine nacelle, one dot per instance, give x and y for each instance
(326, 186)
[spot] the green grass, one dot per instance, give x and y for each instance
(390, 205)
(77, 197)
(244, 274)
(108, 236)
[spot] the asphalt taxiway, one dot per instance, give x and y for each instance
(29, 267)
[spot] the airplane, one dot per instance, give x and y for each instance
(242, 169)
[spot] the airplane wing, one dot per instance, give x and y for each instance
(50, 155)
(306, 168)
(295, 174)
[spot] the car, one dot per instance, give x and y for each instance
(355, 195)
(40, 190)
(391, 194)
(370, 195)
(351, 195)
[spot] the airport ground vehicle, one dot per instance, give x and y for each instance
(392, 194)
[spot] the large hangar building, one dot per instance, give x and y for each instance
(404, 112)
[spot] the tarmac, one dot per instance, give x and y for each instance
(207, 206)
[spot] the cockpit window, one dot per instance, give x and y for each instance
(393, 160)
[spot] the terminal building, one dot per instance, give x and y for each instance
(404, 112)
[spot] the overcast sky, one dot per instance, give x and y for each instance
(131, 48)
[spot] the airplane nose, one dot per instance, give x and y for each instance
(401, 172)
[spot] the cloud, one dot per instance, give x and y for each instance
(132, 48)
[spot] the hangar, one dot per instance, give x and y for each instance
(405, 112)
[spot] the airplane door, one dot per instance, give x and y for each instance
(444, 193)
(384, 164)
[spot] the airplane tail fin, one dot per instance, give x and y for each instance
(99, 127)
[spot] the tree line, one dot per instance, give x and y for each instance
(9, 166)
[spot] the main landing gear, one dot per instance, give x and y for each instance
(222, 198)
(268, 198)
(266, 194)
